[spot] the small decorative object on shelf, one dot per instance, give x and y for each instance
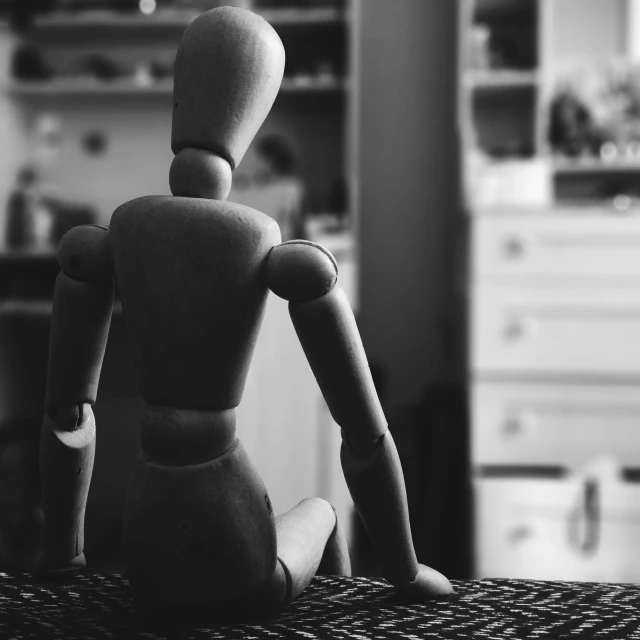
(22, 210)
(28, 65)
(479, 51)
(193, 273)
(37, 219)
(572, 130)
(595, 113)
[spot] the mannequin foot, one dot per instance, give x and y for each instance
(428, 584)
(46, 568)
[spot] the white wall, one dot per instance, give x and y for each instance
(593, 28)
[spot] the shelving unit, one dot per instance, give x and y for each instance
(320, 62)
(554, 297)
(511, 101)
(502, 81)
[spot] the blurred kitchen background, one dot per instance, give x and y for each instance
(474, 166)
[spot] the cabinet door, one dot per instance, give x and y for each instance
(557, 246)
(557, 530)
(564, 425)
(578, 330)
(278, 419)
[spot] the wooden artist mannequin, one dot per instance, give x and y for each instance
(193, 272)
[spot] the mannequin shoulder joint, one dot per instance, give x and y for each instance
(300, 270)
(84, 254)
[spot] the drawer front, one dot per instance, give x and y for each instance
(557, 530)
(556, 330)
(564, 425)
(595, 246)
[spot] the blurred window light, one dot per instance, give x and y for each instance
(147, 7)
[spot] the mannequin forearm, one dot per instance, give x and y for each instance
(66, 463)
(79, 329)
(329, 335)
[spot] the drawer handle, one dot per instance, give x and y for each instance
(520, 425)
(514, 247)
(519, 534)
(519, 328)
(583, 526)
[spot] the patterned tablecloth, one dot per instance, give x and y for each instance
(99, 606)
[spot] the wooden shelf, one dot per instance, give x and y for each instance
(62, 23)
(89, 87)
(301, 17)
(501, 79)
(25, 307)
(500, 7)
(566, 166)
(15, 255)
(36, 307)
(314, 85)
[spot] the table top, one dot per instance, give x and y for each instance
(99, 606)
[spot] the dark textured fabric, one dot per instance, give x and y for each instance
(99, 606)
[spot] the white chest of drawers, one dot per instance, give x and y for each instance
(555, 384)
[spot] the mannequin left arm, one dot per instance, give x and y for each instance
(82, 308)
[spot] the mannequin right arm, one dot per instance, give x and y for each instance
(306, 274)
